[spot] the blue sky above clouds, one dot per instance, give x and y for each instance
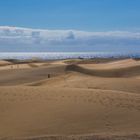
(69, 25)
(91, 15)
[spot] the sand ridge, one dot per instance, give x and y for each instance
(4, 63)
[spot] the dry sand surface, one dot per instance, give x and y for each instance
(80, 101)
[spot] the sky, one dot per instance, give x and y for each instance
(103, 25)
(89, 15)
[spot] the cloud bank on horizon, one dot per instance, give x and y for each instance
(20, 37)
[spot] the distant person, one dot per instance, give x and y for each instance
(49, 76)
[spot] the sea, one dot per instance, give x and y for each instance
(67, 55)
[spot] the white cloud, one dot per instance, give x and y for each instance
(25, 36)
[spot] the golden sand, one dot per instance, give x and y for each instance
(79, 101)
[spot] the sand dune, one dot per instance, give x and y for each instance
(4, 63)
(38, 111)
(77, 101)
(21, 76)
(114, 72)
(114, 64)
(81, 81)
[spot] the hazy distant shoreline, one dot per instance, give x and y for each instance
(67, 55)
